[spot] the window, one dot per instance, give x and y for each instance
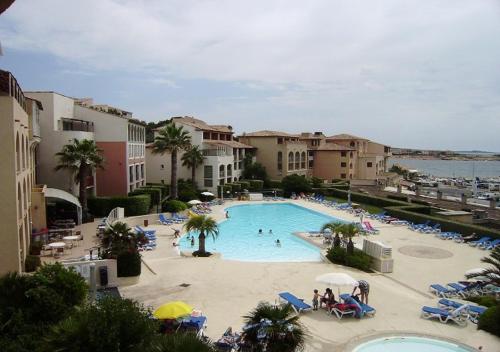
(208, 183)
(206, 135)
(350, 166)
(343, 154)
(208, 171)
(343, 164)
(162, 166)
(215, 136)
(131, 173)
(142, 170)
(352, 144)
(290, 161)
(342, 176)
(303, 160)
(280, 140)
(351, 154)
(369, 164)
(137, 172)
(350, 176)
(280, 161)
(222, 171)
(297, 160)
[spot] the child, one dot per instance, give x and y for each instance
(315, 300)
(192, 241)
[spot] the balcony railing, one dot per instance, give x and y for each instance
(76, 125)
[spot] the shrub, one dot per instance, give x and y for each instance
(134, 205)
(295, 184)
(359, 259)
(244, 185)
(255, 171)
(274, 184)
(154, 193)
(236, 187)
(31, 263)
(485, 301)
(256, 185)
(316, 182)
(174, 206)
(128, 264)
(165, 189)
(225, 189)
(111, 324)
(490, 320)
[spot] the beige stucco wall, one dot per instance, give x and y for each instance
(38, 209)
(328, 165)
(267, 154)
(15, 185)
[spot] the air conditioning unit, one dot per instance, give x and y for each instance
(377, 249)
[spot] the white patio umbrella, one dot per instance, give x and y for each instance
(194, 202)
(337, 280)
(207, 193)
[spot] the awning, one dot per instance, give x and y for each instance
(60, 194)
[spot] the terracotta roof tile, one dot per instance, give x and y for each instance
(345, 136)
(268, 133)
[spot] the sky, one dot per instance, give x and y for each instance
(417, 74)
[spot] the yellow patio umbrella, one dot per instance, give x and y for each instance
(173, 310)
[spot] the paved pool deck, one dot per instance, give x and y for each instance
(227, 290)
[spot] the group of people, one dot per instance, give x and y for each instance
(328, 298)
(277, 242)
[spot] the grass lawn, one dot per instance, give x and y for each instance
(372, 209)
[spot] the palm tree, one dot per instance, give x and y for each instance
(181, 342)
(193, 158)
(273, 328)
(349, 231)
(172, 139)
(119, 238)
(206, 226)
(81, 158)
(335, 227)
(492, 274)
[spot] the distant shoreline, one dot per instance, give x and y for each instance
(454, 157)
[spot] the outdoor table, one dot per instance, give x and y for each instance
(57, 246)
(70, 238)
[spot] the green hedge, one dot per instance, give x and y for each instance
(226, 188)
(236, 187)
(165, 189)
(244, 185)
(408, 213)
(254, 185)
(359, 259)
(128, 264)
(274, 184)
(367, 199)
(398, 197)
(154, 193)
(134, 205)
(174, 206)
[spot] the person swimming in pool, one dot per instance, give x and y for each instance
(192, 241)
(260, 231)
(270, 231)
(278, 243)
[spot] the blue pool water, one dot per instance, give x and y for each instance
(239, 239)
(409, 344)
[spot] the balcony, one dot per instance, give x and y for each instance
(10, 87)
(76, 125)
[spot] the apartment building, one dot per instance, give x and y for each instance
(281, 153)
(372, 157)
(223, 156)
(328, 160)
(121, 138)
(18, 139)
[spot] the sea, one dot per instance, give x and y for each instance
(451, 168)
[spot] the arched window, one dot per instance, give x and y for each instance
(19, 202)
(18, 153)
(290, 161)
(297, 160)
(23, 153)
(352, 144)
(303, 160)
(229, 170)
(221, 171)
(25, 196)
(280, 161)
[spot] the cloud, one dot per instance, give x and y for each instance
(344, 61)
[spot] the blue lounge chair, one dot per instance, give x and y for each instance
(473, 310)
(145, 232)
(460, 290)
(445, 316)
(479, 241)
(369, 310)
(164, 221)
(195, 324)
(441, 291)
(297, 304)
(490, 244)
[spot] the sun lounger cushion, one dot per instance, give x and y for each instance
(298, 304)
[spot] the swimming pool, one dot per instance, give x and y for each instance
(239, 238)
(410, 344)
